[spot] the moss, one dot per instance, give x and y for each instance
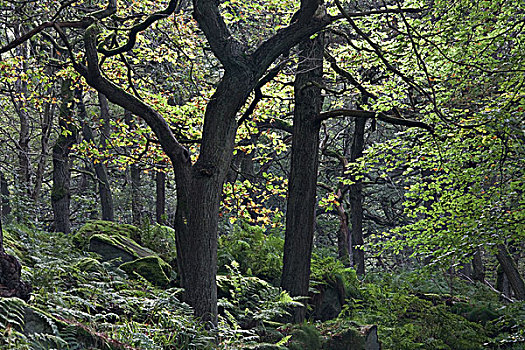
(81, 238)
(89, 265)
(115, 246)
(152, 268)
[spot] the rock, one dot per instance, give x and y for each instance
(89, 265)
(36, 321)
(330, 306)
(10, 283)
(117, 246)
(359, 338)
(93, 227)
(371, 338)
(152, 268)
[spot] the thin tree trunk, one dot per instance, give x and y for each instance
(343, 235)
(60, 193)
(356, 199)
(24, 176)
(509, 267)
(478, 270)
(160, 200)
(103, 184)
(302, 183)
(136, 198)
(4, 195)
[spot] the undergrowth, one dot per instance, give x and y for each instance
(80, 302)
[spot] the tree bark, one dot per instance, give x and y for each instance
(302, 182)
(4, 195)
(60, 193)
(509, 267)
(160, 200)
(478, 270)
(24, 175)
(136, 198)
(356, 199)
(344, 241)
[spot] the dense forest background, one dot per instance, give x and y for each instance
(262, 174)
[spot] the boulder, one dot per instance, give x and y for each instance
(93, 227)
(117, 246)
(359, 338)
(152, 268)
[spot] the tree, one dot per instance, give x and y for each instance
(61, 193)
(199, 185)
(302, 182)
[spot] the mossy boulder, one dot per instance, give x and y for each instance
(152, 268)
(89, 265)
(117, 246)
(109, 228)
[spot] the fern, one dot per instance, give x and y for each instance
(12, 312)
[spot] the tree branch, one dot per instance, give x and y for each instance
(132, 37)
(375, 115)
(175, 151)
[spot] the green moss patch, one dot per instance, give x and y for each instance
(152, 268)
(117, 246)
(109, 228)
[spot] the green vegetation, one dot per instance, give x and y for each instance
(80, 301)
(262, 174)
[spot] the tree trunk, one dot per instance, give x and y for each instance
(103, 185)
(302, 183)
(502, 282)
(24, 176)
(356, 199)
(509, 267)
(160, 200)
(199, 190)
(343, 237)
(4, 195)
(60, 193)
(478, 270)
(136, 198)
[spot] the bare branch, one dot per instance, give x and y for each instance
(132, 37)
(375, 115)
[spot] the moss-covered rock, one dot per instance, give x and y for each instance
(89, 265)
(117, 246)
(109, 228)
(152, 268)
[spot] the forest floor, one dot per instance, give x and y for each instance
(80, 301)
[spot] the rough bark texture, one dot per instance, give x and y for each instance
(302, 182)
(60, 193)
(509, 267)
(160, 200)
(198, 197)
(5, 208)
(356, 199)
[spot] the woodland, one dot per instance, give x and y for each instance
(279, 174)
